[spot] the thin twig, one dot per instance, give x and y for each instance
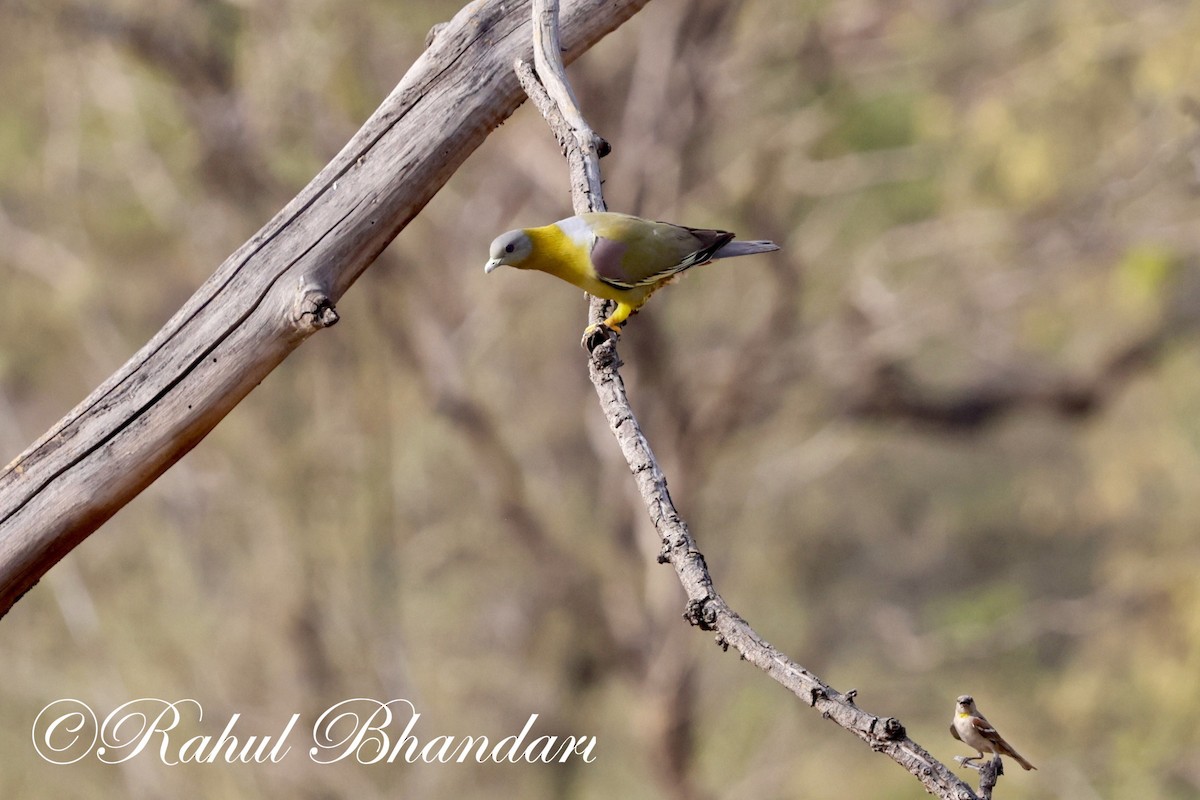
(989, 773)
(706, 608)
(547, 60)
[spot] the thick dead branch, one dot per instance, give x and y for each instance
(706, 608)
(276, 290)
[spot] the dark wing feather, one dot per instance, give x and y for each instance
(710, 242)
(629, 253)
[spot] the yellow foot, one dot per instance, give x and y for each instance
(596, 335)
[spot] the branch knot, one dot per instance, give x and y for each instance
(892, 729)
(314, 310)
(701, 614)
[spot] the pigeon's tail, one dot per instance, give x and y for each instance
(736, 248)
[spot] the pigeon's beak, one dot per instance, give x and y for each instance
(491, 265)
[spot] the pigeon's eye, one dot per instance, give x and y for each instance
(508, 248)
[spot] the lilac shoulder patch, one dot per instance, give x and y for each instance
(606, 258)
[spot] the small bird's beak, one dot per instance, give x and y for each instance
(491, 265)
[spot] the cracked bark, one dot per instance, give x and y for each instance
(276, 290)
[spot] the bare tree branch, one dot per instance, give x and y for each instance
(706, 608)
(276, 290)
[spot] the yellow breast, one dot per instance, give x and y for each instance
(569, 258)
(558, 254)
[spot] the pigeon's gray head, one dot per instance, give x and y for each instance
(509, 249)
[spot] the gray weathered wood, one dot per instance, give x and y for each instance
(277, 289)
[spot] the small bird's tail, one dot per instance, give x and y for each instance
(1006, 748)
(736, 248)
(1020, 760)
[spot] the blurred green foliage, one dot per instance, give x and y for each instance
(425, 503)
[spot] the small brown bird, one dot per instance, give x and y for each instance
(972, 729)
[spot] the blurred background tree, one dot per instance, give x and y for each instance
(946, 441)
